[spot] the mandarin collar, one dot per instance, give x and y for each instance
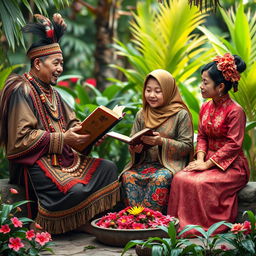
(221, 100)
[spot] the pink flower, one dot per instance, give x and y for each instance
(5, 229)
(237, 227)
(91, 81)
(247, 227)
(42, 238)
(141, 217)
(15, 243)
(138, 225)
(14, 191)
(125, 221)
(30, 234)
(16, 222)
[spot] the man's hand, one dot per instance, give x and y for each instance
(136, 148)
(71, 137)
(153, 140)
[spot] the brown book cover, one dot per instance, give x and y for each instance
(135, 139)
(98, 123)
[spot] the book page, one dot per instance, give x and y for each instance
(145, 131)
(119, 110)
(119, 136)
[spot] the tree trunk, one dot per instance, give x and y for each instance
(104, 52)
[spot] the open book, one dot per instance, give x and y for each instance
(135, 139)
(98, 123)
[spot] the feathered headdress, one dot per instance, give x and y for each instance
(49, 33)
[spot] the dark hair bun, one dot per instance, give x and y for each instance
(241, 66)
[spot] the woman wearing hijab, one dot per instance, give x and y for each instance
(146, 179)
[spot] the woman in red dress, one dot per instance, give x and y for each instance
(205, 192)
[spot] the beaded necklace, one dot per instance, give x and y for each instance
(51, 107)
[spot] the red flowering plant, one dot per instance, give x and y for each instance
(242, 236)
(15, 237)
(136, 217)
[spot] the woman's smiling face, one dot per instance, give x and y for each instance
(153, 93)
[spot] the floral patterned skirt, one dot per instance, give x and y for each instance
(148, 185)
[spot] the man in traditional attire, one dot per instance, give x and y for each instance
(37, 129)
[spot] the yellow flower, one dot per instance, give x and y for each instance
(136, 210)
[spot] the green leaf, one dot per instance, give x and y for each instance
(214, 227)
(195, 227)
(67, 77)
(250, 125)
(101, 100)
(6, 72)
(248, 246)
(190, 99)
(157, 250)
(82, 94)
(66, 96)
(6, 209)
(247, 143)
(131, 244)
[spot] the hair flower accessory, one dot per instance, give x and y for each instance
(226, 64)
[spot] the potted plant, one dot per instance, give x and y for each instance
(171, 246)
(242, 237)
(117, 228)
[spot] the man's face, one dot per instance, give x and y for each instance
(50, 68)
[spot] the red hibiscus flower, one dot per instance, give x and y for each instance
(5, 229)
(42, 238)
(15, 243)
(30, 234)
(16, 222)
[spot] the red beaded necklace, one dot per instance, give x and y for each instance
(50, 101)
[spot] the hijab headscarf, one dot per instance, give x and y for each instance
(172, 104)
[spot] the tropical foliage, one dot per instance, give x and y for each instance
(239, 240)
(15, 237)
(12, 18)
(164, 37)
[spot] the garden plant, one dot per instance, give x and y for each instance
(15, 236)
